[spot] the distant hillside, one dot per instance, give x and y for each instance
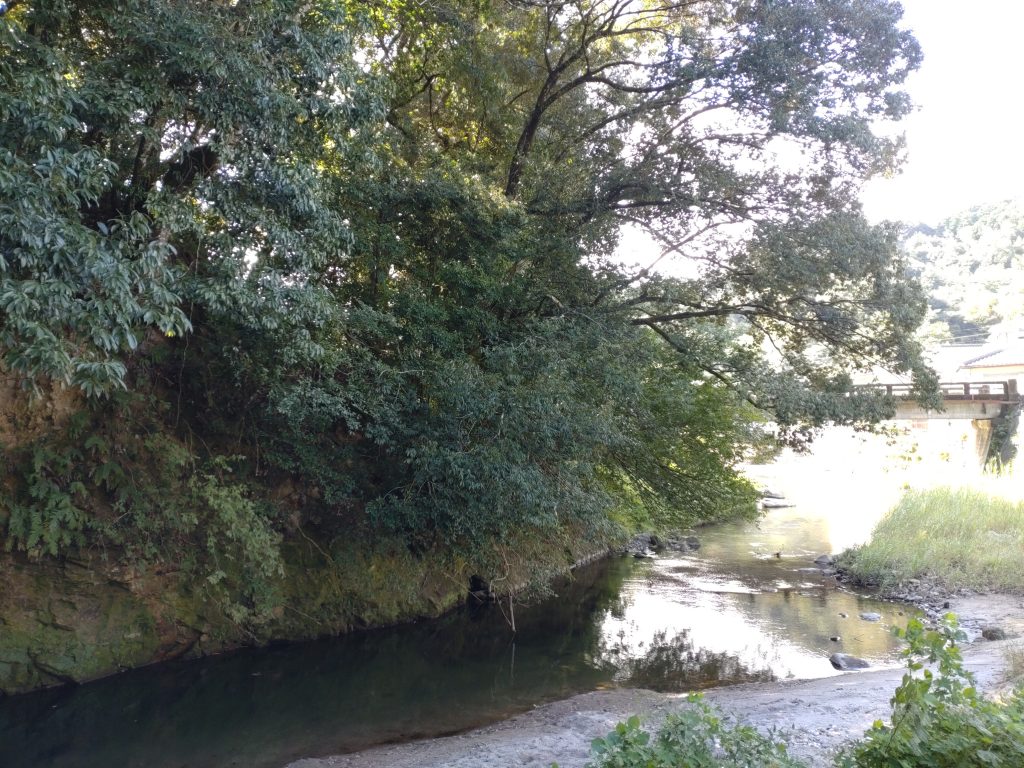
(972, 266)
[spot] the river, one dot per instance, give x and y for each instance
(748, 605)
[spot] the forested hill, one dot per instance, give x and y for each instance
(283, 280)
(972, 267)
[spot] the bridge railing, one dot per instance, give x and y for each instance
(1000, 391)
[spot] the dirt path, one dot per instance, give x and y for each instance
(817, 716)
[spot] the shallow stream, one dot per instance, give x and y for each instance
(748, 605)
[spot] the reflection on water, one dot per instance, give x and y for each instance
(676, 664)
(731, 612)
(266, 707)
(764, 612)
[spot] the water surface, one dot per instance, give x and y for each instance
(749, 605)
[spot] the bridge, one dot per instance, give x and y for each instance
(980, 403)
(961, 400)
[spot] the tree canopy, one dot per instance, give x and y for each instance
(372, 247)
(971, 266)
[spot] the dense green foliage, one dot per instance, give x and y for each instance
(361, 255)
(696, 737)
(971, 266)
(148, 156)
(938, 720)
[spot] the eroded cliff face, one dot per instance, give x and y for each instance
(85, 613)
(58, 621)
(68, 621)
(72, 621)
(25, 416)
(78, 617)
(76, 620)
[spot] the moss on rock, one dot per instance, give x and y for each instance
(65, 622)
(75, 620)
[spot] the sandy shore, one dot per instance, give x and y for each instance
(816, 716)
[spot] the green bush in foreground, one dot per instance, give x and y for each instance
(938, 721)
(696, 737)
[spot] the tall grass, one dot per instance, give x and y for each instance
(959, 537)
(1014, 656)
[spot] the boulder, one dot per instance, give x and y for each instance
(824, 560)
(871, 616)
(845, 662)
(639, 544)
(993, 633)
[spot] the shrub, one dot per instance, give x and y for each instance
(939, 720)
(145, 498)
(696, 737)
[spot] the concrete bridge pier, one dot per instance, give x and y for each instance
(962, 445)
(982, 429)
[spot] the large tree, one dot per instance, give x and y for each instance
(380, 238)
(158, 156)
(735, 135)
(970, 265)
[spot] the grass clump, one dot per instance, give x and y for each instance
(956, 537)
(1014, 655)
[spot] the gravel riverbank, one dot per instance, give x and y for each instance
(816, 716)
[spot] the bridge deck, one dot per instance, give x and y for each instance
(975, 391)
(961, 400)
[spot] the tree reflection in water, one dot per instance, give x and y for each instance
(673, 665)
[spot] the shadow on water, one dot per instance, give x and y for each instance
(748, 606)
(265, 707)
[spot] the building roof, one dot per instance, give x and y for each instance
(948, 359)
(997, 357)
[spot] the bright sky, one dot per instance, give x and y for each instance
(966, 142)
